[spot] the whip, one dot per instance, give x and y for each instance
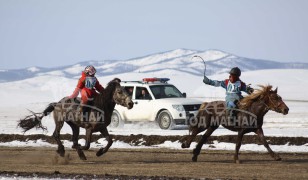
(202, 60)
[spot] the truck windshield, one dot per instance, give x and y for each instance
(165, 91)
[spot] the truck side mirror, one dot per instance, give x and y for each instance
(184, 95)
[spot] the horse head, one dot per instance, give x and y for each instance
(267, 97)
(120, 96)
(275, 103)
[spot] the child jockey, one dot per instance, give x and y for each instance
(87, 85)
(233, 87)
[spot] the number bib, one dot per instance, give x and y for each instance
(90, 82)
(234, 87)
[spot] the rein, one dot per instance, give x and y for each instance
(272, 103)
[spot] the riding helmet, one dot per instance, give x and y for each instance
(236, 71)
(90, 70)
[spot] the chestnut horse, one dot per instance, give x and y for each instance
(249, 118)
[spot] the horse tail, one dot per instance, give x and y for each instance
(49, 109)
(34, 120)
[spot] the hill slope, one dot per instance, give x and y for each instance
(180, 60)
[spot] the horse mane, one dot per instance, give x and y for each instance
(258, 94)
(106, 97)
(110, 88)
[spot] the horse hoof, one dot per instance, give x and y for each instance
(100, 152)
(61, 153)
(81, 154)
(84, 158)
(194, 158)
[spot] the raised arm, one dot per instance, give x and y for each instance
(215, 83)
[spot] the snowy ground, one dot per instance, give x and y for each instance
(36, 93)
(295, 124)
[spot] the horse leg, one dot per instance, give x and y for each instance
(75, 136)
(103, 150)
(88, 139)
(56, 135)
(238, 145)
(260, 133)
(76, 146)
(197, 150)
(194, 132)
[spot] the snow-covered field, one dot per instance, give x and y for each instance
(35, 93)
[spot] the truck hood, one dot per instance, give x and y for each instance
(183, 101)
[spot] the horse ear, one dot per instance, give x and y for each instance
(275, 91)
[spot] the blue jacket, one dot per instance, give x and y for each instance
(233, 90)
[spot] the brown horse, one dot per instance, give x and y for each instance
(99, 117)
(249, 118)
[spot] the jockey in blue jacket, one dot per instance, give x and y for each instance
(233, 87)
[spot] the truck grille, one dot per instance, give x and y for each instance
(192, 107)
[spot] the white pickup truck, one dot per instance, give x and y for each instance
(155, 100)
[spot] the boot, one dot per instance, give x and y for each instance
(85, 113)
(86, 109)
(232, 115)
(232, 111)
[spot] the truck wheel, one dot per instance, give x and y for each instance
(116, 121)
(165, 120)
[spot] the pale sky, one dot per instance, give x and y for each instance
(51, 33)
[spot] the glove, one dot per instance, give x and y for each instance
(206, 80)
(249, 90)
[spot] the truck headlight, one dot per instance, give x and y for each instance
(178, 107)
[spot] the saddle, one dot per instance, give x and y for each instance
(75, 105)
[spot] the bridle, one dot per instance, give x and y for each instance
(121, 101)
(272, 104)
